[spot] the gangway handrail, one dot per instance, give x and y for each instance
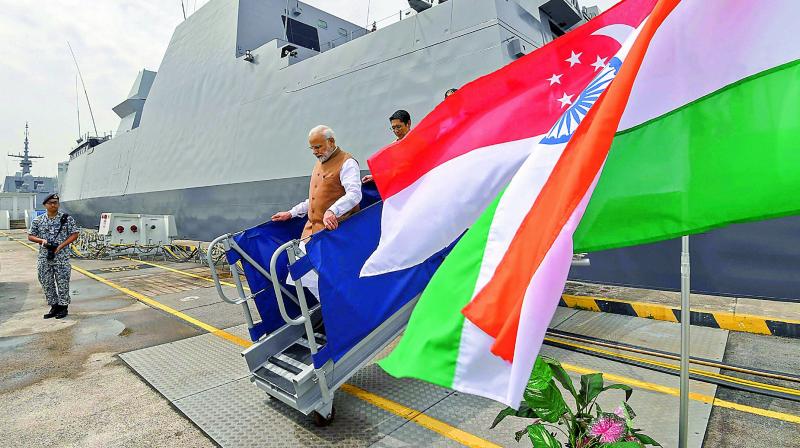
(215, 276)
(234, 246)
(242, 300)
(273, 262)
(228, 243)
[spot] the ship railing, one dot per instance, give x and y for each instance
(372, 25)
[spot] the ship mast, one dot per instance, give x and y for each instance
(26, 162)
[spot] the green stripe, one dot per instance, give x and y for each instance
(732, 156)
(429, 348)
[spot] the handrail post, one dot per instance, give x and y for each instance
(214, 276)
(312, 341)
(239, 287)
(277, 286)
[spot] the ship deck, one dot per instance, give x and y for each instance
(150, 356)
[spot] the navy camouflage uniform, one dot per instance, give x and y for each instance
(54, 274)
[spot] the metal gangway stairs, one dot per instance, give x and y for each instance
(304, 350)
(305, 347)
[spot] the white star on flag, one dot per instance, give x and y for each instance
(555, 79)
(565, 100)
(574, 59)
(599, 64)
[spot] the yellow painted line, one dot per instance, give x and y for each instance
(771, 319)
(413, 415)
(428, 422)
(178, 271)
(656, 312)
(158, 305)
(673, 367)
(739, 322)
(726, 321)
(693, 396)
(148, 301)
(419, 418)
(589, 302)
(584, 303)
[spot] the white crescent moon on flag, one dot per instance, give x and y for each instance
(618, 31)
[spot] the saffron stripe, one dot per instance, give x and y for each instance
(569, 182)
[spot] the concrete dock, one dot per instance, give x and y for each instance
(150, 356)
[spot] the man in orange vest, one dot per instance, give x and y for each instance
(333, 194)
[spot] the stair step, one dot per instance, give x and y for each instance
(286, 363)
(318, 337)
(299, 353)
(17, 224)
(277, 377)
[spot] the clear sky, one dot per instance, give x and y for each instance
(113, 40)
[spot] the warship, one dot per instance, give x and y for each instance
(217, 136)
(25, 182)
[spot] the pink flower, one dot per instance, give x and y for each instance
(608, 428)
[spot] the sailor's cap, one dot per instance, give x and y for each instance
(51, 196)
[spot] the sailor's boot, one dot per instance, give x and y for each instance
(52, 313)
(62, 312)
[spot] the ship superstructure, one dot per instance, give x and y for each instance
(218, 136)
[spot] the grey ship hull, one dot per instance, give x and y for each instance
(756, 259)
(204, 212)
(222, 142)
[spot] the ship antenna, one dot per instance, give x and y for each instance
(78, 106)
(84, 87)
(286, 22)
(368, 4)
(183, 8)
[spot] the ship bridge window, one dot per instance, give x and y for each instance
(322, 24)
(301, 34)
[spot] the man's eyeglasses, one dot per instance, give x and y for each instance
(397, 127)
(315, 147)
(51, 203)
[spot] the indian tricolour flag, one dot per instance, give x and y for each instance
(706, 99)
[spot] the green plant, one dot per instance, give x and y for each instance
(587, 426)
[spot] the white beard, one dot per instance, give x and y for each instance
(324, 158)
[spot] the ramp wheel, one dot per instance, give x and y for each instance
(320, 420)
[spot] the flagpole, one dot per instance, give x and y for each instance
(683, 425)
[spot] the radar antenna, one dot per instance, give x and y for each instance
(25, 163)
(84, 87)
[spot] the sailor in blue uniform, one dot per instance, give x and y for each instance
(54, 231)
